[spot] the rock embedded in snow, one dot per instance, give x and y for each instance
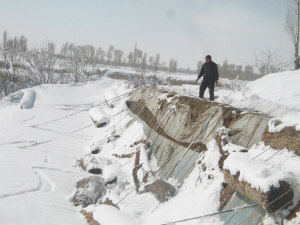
(161, 189)
(98, 117)
(250, 96)
(111, 172)
(89, 190)
(92, 164)
(28, 99)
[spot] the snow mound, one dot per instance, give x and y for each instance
(28, 99)
(282, 88)
(290, 119)
(109, 215)
(98, 115)
(110, 172)
(73, 94)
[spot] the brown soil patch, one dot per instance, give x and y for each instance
(225, 194)
(124, 155)
(180, 82)
(89, 217)
(83, 166)
(288, 138)
(150, 119)
(220, 142)
(198, 107)
(97, 124)
(294, 212)
(109, 202)
(137, 166)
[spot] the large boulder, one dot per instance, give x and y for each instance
(92, 164)
(161, 189)
(89, 190)
(28, 99)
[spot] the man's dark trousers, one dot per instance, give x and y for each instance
(207, 84)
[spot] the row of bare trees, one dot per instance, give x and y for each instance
(21, 67)
(292, 23)
(137, 58)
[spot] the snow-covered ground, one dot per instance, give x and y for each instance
(37, 180)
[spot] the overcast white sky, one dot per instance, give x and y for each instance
(186, 30)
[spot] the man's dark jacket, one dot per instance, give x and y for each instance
(209, 71)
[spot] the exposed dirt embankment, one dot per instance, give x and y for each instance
(195, 117)
(180, 127)
(288, 138)
(150, 119)
(266, 200)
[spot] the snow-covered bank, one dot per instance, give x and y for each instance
(282, 88)
(277, 95)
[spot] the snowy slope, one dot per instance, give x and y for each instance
(37, 181)
(282, 88)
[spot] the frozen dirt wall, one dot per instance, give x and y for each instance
(179, 127)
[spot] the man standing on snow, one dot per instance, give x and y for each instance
(209, 71)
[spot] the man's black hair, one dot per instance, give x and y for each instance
(208, 56)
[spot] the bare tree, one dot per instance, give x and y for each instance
(156, 62)
(135, 55)
(292, 19)
(118, 54)
(172, 65)
(109, 54)
(100, 54)
(144, 61)
(248, 73)
(151, 62)
(268, 62)
(4, 39)
(130, 59)
(124, 61)
(10, 79)
(199, 65)
(23, 44)
(139, 57)
(42, 64)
